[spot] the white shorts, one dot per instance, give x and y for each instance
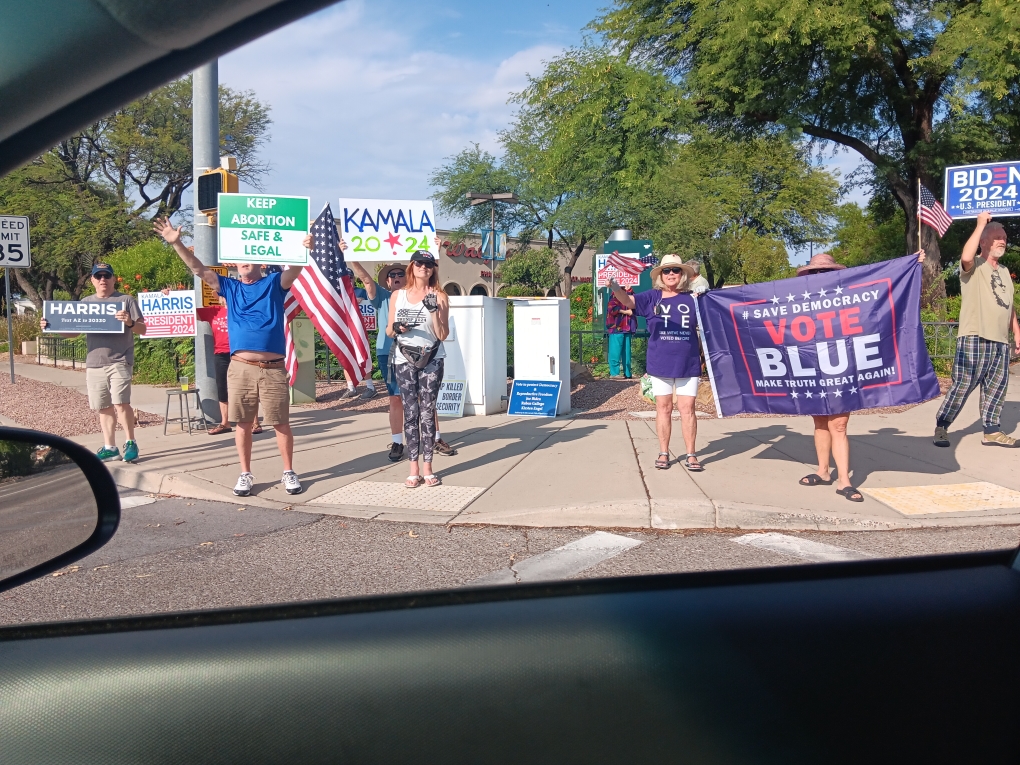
(683, 386)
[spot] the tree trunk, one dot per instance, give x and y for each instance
(29, 290)
(568, 270)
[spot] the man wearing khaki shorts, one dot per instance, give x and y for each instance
(256, 325)
(109, 365)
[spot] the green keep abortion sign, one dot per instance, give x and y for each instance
(258, 228)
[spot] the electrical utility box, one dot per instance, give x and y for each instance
(476, 352)
(542, 344)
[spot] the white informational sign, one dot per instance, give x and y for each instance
(171, 315)
(15, 251)
(451, 398)
(386, 230)
(604, 272)
(259, 228)
(368, 315)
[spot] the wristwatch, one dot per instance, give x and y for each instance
(129, 326)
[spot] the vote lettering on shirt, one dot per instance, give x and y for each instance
(673, 334)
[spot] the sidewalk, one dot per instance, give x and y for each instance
(599, 473)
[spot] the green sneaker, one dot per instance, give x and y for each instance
(109, 454)
(130, 451)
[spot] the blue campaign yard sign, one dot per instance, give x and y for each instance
(534, 398)
(973, 189)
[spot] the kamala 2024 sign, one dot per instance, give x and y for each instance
(385, 229)
(973, 189)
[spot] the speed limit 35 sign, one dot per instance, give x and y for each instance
(15, 251)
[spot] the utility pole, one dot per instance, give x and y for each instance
(205, 104)
(479, 199)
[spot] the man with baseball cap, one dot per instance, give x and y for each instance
(110, 364)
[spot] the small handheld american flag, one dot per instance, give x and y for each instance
(627, 265)
(325, 291)
(931, 212)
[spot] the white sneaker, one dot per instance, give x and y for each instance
(244, 484)
(291, 482)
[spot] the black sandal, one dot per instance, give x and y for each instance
(851, 493)
(660, 463)
(815, 480)
(692, 464)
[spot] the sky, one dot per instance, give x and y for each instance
(369, 97)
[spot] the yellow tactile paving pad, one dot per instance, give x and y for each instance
(450, 499)
(950, 498)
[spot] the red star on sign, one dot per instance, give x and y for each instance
(392, 240)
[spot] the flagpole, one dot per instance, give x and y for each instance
(918, 213)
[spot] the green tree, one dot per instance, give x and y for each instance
(910, 86)
(528, 273)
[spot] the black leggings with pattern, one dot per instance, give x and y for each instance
(419, 392)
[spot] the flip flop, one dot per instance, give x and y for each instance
(692, 464)
(660, 463)
(433, 480)
(814, 480)
(256, 430)
(413, 481)
(851, 493)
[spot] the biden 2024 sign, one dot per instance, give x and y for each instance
(973, 189)
(386, 229)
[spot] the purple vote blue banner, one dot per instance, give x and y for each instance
(819, 344)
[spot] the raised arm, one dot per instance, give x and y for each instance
(172, 236)
(622, 295)
(971, 247)
(362, 273)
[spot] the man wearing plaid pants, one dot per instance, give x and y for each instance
(982, 343)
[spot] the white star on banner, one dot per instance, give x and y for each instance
(790, 298)
(838, 393)
(807, 295)
(775, 300)
(853, 390)
(822, 394)
(821, 292)
(794, 394)
(807, 394)
(839, 290)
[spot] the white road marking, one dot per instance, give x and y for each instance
(563, 562)
(136, 501)
(800, 548)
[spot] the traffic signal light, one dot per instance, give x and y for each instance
(212, 183)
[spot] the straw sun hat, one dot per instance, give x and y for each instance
(821, 262)
(674, 261)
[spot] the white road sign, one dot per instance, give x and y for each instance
(15, 251)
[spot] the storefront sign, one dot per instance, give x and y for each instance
(74, 316)
(451, 398)
(258, 228)
(171, 315)
(534, 398)
(386, 230)
(974, 189)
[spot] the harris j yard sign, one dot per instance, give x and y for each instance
(76, 317)
(604, 272)
(258, 228)
(973, 189)
(386, 230)
(171, 315)
(821, 343)
(369, 316)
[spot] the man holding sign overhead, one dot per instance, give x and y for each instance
(257, 374)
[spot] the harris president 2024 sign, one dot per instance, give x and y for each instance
(819, 344)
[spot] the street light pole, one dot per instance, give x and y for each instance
(477, 199)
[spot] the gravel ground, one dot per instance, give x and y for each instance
(53, 408)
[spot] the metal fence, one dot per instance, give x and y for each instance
(326, 365)
(940, 337)
(58, 349)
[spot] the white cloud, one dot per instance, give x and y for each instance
(361, 108)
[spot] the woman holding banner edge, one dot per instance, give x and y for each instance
(674, 360)
(830, 437)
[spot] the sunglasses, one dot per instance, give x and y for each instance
(671, 271)
(395, 275)
(102, 277)
(429, 266)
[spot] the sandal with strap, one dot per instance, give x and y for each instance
(433, 480)
(851, 493)
(814, 480)
(413, 481)
(660, 463)
(691, 463)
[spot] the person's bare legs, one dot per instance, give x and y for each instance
(664, 421)
(223, 414)
(126, 416)
(688, 422)
(396, 415)
(823, 445)
(242, 438)
(840, 448)
(108, 423)
(285, 443)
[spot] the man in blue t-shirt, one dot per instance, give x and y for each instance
(257, 373)
(394, 276)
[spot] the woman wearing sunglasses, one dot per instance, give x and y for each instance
(418, 322)
(674, 357)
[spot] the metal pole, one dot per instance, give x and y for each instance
(206, 154)
(10, 322)
(492, 248)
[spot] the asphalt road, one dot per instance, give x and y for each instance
(177, 555)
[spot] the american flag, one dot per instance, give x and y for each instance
(931, 212)
(325, 291)
(628, 265)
